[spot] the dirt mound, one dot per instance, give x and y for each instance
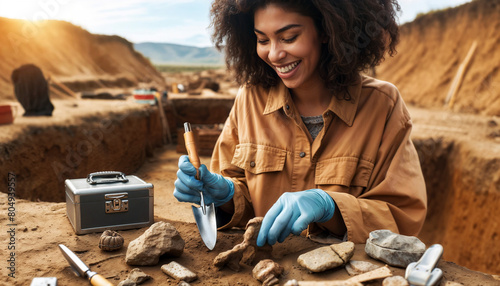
(71, 55)
(431, 50)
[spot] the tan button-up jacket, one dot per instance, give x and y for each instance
(363, 158)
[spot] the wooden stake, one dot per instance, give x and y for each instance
(57, 92)
(457, 81)
(62, 86)
(164, 121)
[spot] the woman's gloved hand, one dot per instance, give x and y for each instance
(293, 212)
(216, 189)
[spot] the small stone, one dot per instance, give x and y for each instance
(320, 259)
(183, 283)
(135, 277)
(267, 272)
(395, 281)
(127, 282)
(179, 272)
(394, 249)
(138, 276)
(344, 250)
(160, 239)
(356, 267)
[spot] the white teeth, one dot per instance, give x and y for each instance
(287, 68)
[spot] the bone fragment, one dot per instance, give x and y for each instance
(232, 257)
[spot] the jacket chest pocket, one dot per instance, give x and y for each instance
(258, 159)
(345, 171)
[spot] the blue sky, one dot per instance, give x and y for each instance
(182, 22)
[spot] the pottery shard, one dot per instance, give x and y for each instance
(394, 249)
(160, 239)
(356, 267)
(179, 272)
(327, 257)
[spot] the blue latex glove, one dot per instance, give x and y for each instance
(216, 189)
(293, 212)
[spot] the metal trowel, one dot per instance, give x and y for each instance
(204, 214)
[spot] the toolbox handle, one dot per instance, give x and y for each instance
(106, 177)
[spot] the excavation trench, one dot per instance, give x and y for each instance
(462, 182)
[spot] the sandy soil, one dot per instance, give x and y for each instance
(42, 226)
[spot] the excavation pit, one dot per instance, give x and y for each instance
(462, 174)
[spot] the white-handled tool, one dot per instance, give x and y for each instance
(424, 271)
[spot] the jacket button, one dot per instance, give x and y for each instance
(302, 154)
(252, 164)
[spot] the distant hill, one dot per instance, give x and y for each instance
(71, 55)
(172, 54)
(432, 49)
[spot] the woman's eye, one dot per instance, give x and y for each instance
(261, 41)
(289, 40)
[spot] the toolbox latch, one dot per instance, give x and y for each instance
(116, 203)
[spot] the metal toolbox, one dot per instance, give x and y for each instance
(109, 200)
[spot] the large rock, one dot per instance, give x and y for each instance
(394, 249)
(160, 239)
(327, 257)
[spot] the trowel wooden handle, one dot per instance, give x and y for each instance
(191, 148)
(98, 280)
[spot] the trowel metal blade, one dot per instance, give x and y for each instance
(207, 224)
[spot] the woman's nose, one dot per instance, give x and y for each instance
(276, 53)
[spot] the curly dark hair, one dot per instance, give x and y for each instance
(359, 33)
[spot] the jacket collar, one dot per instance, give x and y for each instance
(279, 97)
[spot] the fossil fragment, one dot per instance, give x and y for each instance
(110, 240)
(232, 257)
(267, 272)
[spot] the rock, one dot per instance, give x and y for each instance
(355, 267)
(183, 283)
(320, 259)
(135, 277)
(267, 272)
(395, 281)
(179, 272)
(327, 257)
(394, 249)
(344, 250)
(160, 239)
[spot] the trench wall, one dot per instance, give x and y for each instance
(463, 189)
(43, 156)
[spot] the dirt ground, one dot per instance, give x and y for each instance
(41, 226)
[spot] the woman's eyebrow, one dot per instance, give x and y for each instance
(281, 30)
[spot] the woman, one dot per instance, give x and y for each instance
(310, 143)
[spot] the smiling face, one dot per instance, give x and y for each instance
(290, 44)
